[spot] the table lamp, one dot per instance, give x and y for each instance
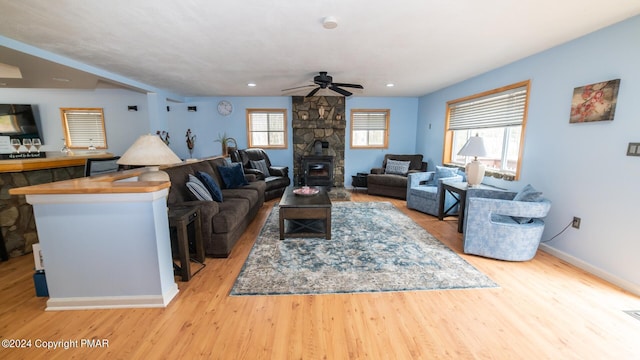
(474, 169)
(150, 151)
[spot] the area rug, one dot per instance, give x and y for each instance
(374, 248)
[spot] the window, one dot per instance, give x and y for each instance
(84, 128)
(267, 128)
(370, 128)
(499, 117)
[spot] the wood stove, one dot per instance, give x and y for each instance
(318, 170)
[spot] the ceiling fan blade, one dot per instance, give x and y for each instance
(298, 87)
(357, 86)
(340, 91)
(313, 92)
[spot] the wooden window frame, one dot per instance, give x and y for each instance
(448, 136)
(385, 144)
(73, 143)
(285, 135)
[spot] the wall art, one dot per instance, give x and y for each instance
(595, 102)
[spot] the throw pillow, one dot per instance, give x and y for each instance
(397, 167)
(232, 176)
(529, 194)
(198, 190)
(211, 185)
(443, 172)
(260, 165)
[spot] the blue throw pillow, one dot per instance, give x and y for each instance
(443, 172)
(397, 167)
(528, 193)
(232, 176)
(211, 185)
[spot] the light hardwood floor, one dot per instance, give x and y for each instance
(544, 309)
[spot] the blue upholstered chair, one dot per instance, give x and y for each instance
(504, 225)
(424, 189)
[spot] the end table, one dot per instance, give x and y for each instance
(458, 190)
(180, 218)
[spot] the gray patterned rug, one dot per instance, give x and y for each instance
(374, 248)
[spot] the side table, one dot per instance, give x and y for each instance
(359, 181)
(458, 190)
(180, 218)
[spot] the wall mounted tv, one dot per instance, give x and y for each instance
(18, 121)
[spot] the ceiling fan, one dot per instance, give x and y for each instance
(324, 81)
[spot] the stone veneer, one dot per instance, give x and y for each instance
(17, 222)
(308, 126)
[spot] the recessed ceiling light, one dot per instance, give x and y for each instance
(251, 84)
(391, 85)
(60, 79)
(330, 22)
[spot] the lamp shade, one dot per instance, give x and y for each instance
(149, 150)
(474, 169)
(473, 147)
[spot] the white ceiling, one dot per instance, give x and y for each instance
(216, 47)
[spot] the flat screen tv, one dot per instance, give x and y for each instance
(18, 121)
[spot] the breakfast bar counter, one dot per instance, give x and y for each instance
(105, 241)
(16, 216)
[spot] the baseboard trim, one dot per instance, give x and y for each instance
(626, 285)
(112, 302)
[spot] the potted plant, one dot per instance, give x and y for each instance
(225, 141)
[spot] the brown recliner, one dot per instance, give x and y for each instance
(277, 178)
(381, 182)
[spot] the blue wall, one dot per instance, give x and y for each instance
(402, 137)
(206, 123)
(123, 127)
(582, 168)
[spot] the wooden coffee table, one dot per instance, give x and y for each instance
(306, 215)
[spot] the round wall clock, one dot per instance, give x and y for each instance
(225, 108)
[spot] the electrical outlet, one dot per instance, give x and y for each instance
(576, 222)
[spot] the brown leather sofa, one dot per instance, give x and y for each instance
(381, 182)
(277, 178)
(222, 222)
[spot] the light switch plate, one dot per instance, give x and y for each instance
(633, 149)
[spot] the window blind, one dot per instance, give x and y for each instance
(262, 121)
(85, 127)
(496, 110)
(369, 121)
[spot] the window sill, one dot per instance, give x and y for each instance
(492, 173)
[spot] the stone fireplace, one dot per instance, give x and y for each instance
(319, 119)
(318, 170)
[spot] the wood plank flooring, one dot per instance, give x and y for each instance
(544, 309)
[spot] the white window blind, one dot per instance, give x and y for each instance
(369, 128)
(496, 110)
(84, 128)
(369, 121)
(267, 128)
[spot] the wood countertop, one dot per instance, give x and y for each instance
(111, 183)
(52, 161)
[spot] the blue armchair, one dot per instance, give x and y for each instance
(498, 225)
(424, 189)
